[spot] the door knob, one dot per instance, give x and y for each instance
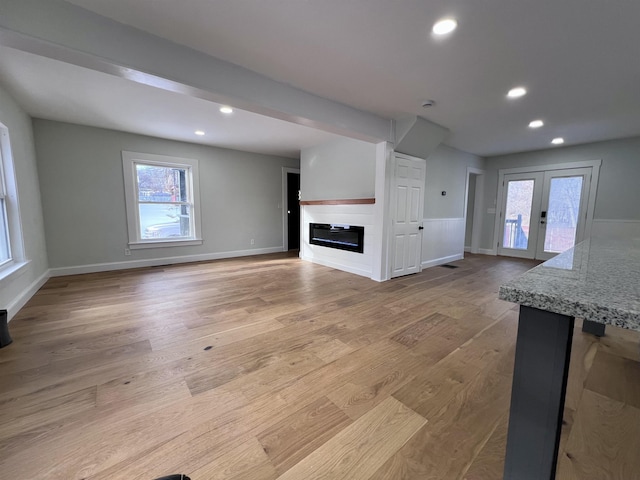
(420, 227)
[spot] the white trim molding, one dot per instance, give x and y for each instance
(22, 299)
(553, 166)
(441, 261)
(11, 271)
(132, 199)
(478, 206)
(154, 262)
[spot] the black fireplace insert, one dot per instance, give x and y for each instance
(342, 237)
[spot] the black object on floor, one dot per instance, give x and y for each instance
(5, 338)
(175, 476)
(449, 266)
(593, 328)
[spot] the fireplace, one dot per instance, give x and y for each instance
(342, 237)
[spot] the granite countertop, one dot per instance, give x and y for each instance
(598, 279)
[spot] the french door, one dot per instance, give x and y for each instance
(543, 213)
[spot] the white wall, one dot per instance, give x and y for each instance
(84, 208)
(16, 289)
(344, 169)
(444, 216)
(618, 194)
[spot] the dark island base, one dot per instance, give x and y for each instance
(543, 351)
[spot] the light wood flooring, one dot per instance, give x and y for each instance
(273, 368)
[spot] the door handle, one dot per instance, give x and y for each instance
(420, 227)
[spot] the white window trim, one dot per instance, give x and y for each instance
(11, 271)
(17, 262)
(130, 188)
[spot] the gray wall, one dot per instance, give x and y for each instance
(21, 136)
(338, 170)
(81, 183)
(618, 195)
(447, 170)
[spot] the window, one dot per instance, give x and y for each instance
(162, 200)
(5, 243)
(12, 257)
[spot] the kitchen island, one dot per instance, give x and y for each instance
(597, 280)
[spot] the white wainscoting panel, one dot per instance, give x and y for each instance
(352, 262)
(602, 227)
(442, 240)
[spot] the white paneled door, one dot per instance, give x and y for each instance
(407, 205)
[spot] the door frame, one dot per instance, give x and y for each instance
(478, 206)
(285, 207)
(595, 173)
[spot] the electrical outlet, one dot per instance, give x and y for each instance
(127, 252)
(253, 242)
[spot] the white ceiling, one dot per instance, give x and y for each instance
(55, 90)
(578, 59)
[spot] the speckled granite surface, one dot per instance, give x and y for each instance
(598, 280)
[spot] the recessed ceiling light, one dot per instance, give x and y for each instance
(444, 26)
(536, 124)
(517, 92)
(199, 132)
(226, 109)
(558, 141)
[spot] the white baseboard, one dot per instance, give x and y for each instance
(338, 266)
(486, 251)
(467, 249)
(22, 299)
(153, 262)
(441, 261)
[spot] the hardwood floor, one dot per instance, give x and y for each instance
(272, 368)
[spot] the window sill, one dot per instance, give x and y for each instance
(164, 243)
(12, 271)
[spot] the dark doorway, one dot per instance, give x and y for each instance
(293, 210)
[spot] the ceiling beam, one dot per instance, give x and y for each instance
(68, 33)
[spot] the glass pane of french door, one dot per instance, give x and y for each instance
(563, 214)
(517, 217)
(564, 205)
(520, 206)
